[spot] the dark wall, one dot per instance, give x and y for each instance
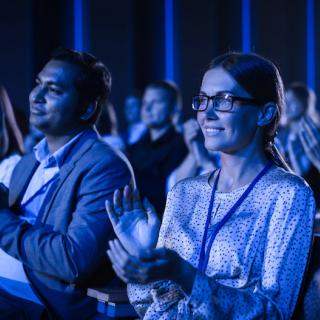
(128, 35)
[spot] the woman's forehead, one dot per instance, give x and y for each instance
(218, 80)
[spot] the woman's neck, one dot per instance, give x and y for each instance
(240, 169)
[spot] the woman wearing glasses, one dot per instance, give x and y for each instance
(233, 244)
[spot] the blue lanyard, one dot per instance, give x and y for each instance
(204, 254)
(40, 191)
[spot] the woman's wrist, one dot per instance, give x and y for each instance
(184, 274)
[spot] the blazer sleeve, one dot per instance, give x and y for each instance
(70, 256)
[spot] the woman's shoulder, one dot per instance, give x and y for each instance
(285, 181)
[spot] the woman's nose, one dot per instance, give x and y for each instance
(210, 112)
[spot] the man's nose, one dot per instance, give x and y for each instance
(37, 94)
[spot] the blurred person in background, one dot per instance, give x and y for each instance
(162, 148)
(107, 126)
(300, 141)
(198, 160)
(11, 141)
(135, 128)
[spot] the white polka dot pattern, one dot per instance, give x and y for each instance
(257, 260)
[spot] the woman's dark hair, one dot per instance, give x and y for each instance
(11, 140)
(94, 80)
(262, 80)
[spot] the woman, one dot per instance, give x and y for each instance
(234, 243)
(11, 141)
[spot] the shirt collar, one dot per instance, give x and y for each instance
(42, 153)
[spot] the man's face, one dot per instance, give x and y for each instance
(156, 110)
(55, 101)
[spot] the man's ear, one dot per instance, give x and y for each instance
(267, 113)
(89, 112)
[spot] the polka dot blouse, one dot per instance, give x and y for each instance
(256, 262)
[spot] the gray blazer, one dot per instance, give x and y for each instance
(65, 251)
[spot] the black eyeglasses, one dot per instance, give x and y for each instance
(221, 102)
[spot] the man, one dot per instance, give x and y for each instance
(162, 149)
(132, 112)
(55, 225)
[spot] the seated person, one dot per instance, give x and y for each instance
(53, 226)
(233, 243)
(161, 149)
(11, 140)
(135, 127)
(300, 101)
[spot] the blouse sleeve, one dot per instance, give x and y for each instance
(275, 294)
(160, 297)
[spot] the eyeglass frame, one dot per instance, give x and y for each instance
(251, 101)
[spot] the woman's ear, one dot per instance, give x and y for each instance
(267, 113)
(90, 110)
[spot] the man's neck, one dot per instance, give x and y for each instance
(56, 142)
(156, 133)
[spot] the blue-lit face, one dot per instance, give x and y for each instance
(231, 131)
(294, 107)
(156, 110)
(54, 102)
(132, 108)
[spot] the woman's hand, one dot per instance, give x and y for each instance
(309, 135)
(136, 224)
(151, 265)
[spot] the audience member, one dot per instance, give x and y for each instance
(135, 127)
(161, 149)
(199, 160)
(300, 104)
(11, 142)
(107, 126)
(54, 229)
(233, 243)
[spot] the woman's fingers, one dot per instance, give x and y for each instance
(136, 200)
(151, 212)
(118, 271)
(127, 198)
(117, 202)
(129, 267)
(111, 213)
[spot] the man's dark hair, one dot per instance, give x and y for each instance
(171, 90)
(301, 91)
(93, 82)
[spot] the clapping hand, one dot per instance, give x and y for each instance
(151, 265)
(136, 224)
(309, 135)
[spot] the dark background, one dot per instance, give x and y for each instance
(129, 37)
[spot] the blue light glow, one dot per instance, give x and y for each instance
(246, 26)
(169, 40)
(78, 25)
(311, 63)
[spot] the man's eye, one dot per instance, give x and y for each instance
(54, 90)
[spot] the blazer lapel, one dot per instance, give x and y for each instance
(21, 177)
(78, 151)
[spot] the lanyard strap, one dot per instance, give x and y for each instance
(38, 192)
(204, 254)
